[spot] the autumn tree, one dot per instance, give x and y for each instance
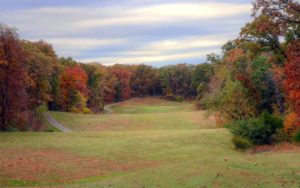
(40, 62)
(73, 86)
(201, 75)
(143, 80)
(292, 82)
(176, 80)
(228, 95)
(283, 13)
(95, 85)
(13, 97)
(123, 75)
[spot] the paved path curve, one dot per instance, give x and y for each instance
(56, 124)
(107, 108)
(53, 122)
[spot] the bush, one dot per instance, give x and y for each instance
(86, 110)
(273, 121)
(296, 137)
(176, 98)
(280, 136)
(258, 130)
(179, 98)
(241, 143)
(11, 129)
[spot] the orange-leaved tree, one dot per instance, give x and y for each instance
(292, 83)
(73, 85)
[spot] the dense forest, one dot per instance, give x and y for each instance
(252, 87)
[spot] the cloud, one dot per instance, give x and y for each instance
(77, 46)
(130, 31)
(165, 50)
(83, 43)
(147, 59)
(84, 18)
(188, 43)
(168, 13)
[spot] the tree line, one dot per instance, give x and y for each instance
(255, 88)
(31, 75)
(255, 80)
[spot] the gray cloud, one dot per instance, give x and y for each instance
(151, 31)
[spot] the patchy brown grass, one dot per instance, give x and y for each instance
(50, 165)
(284, 147)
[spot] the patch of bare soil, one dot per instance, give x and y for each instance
(284, 147)
(49, 165)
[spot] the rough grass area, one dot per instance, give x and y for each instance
(177, 150)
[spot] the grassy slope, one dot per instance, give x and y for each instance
(181, 156)
(139, 114)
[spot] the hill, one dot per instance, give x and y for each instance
(144, 142)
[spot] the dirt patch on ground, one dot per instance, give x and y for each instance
(284, 147)
(49, 165)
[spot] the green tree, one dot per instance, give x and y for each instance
(201, 76)
(40, 62)
(95, 85)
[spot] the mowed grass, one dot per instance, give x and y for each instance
(164, 155)
(151, 105)
(134, 122)
(150, 113)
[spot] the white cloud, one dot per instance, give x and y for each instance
(64, 19)
(189, 43)
(168, 13)
(193, 10)
(165, 50)
(75, 30)
(76, 46)
(83, 43)
(147, 59)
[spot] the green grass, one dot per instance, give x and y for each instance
(134, 122)
(180, 153)
(149, 109)
(139, 114)
(152, 105)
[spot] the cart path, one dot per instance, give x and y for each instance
(56, 124)
(107, 108)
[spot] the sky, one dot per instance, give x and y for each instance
(154, 32)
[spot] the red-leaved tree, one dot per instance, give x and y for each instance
(12, 81)
(73, 85)
(292, 82)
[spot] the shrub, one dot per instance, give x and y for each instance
(86, 110)
(258, 130)
(280, 136)
(290, 123)
(296, 137)
(275, 122)
(241, 143)
(179, 98)
(11, 129)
